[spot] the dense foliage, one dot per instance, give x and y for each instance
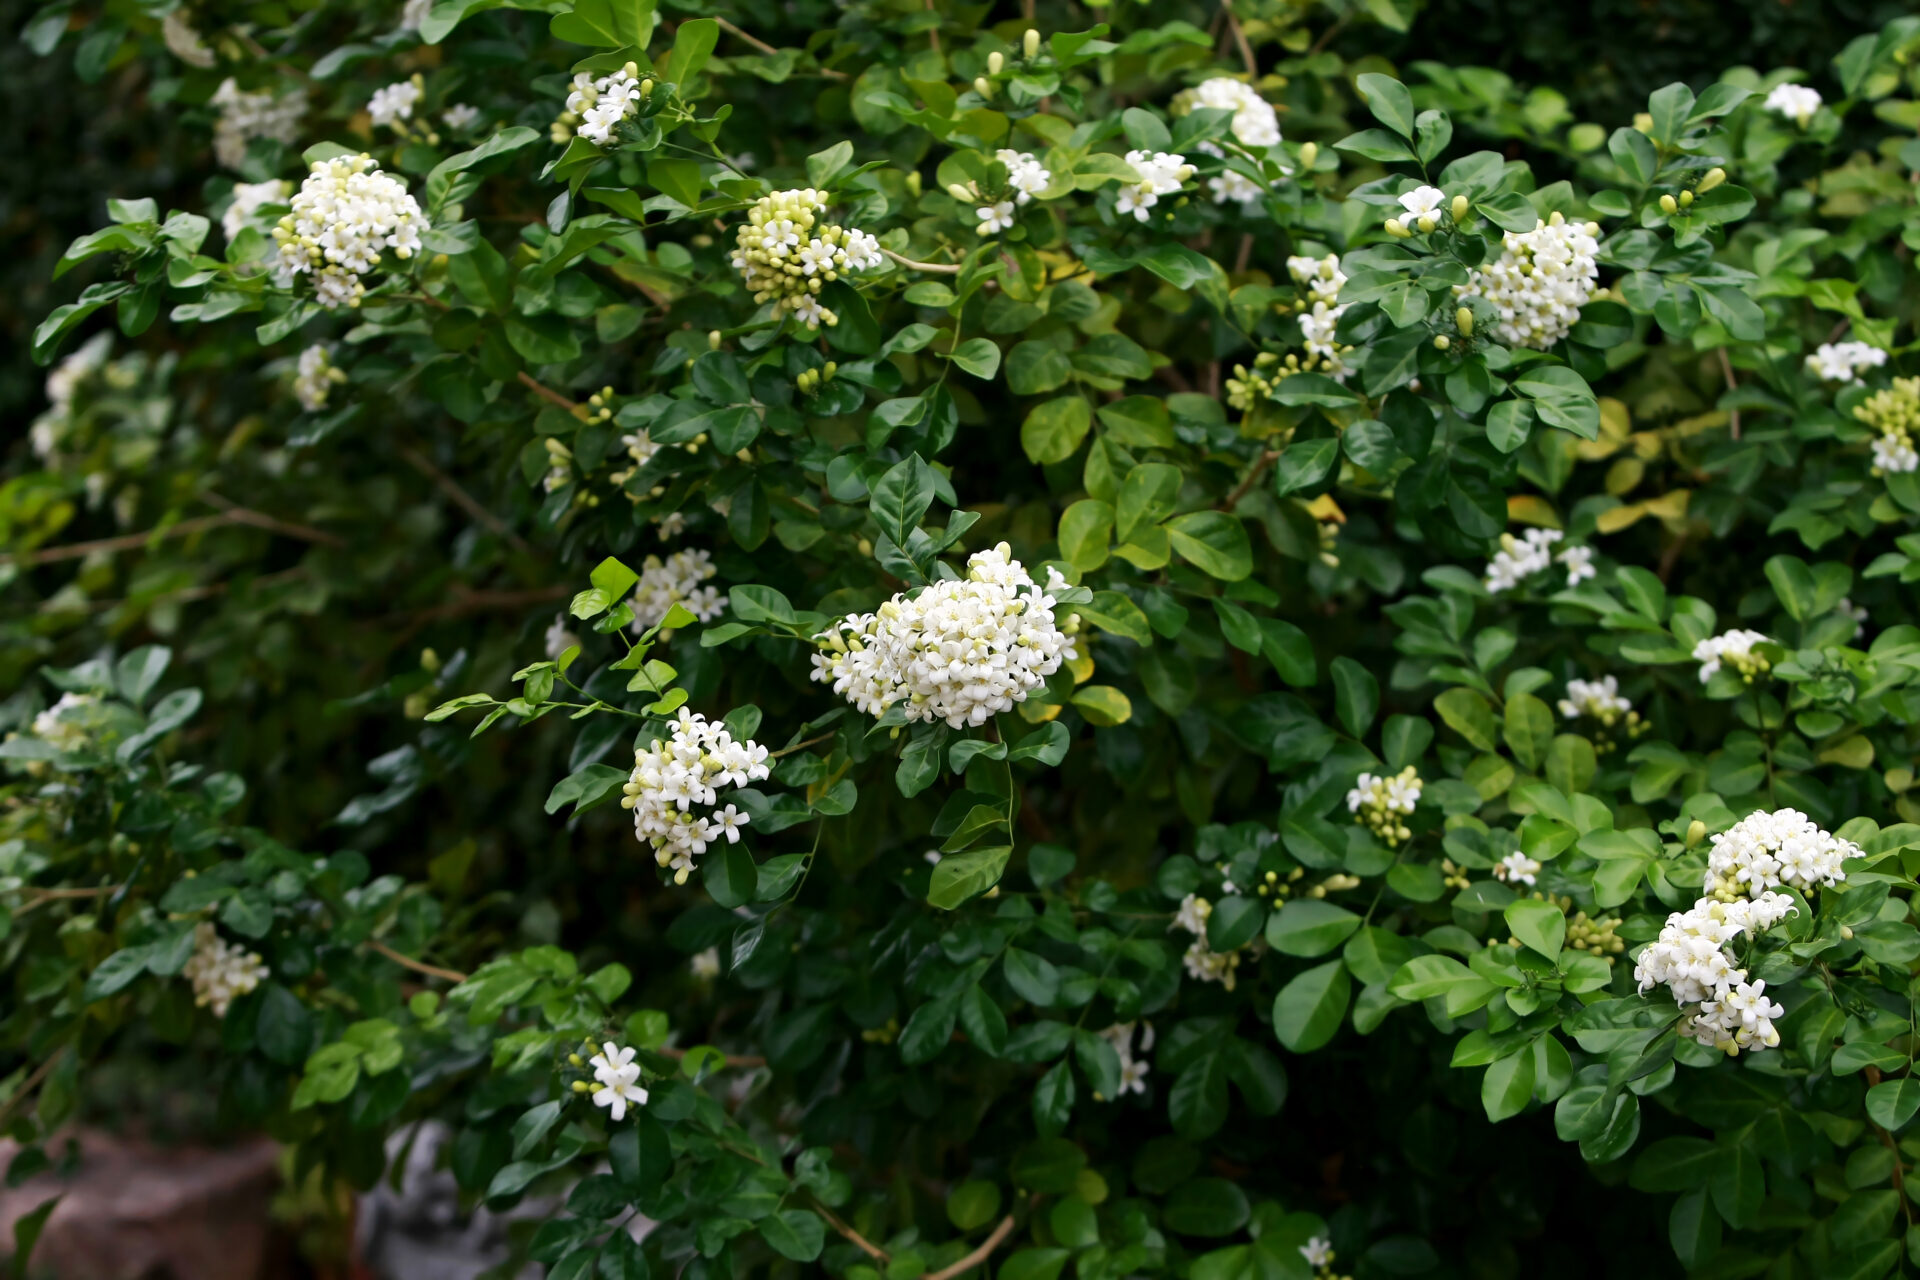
(1218, 657)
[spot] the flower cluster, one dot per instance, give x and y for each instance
(786, 252)
(676, 580)
(1765, 850)
(245, 116)
(1597, 698)
(1322, 280)
(1844, 361)
(961, 651)
(460, 117)
(1381, 803)
(316, 377)
(1520, 558)
(1161, 174)
(248, 199)
(185, 43)
(394, 103)
(1796, 102)
(1540, 282)
(66, 725)
(595, 107)
(1025, 174)
(345, 213)
(1319, 1255)
(1254, 122)
(689, 768)
(1203, 963)
(220, 971)
(1517, 868)
(1595, 937)
(1734, 648)
(1894, 414)
(618, 1076)
(1133, 1071)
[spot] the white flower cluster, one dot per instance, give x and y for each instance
(1597, 698)
(1844, 361)
(1517, 868)
(1231, 186)
(1520, 558)
(1323, 280)
(1319, 1255)
(394, 103)
(599, 105)
(618, 1076)
(1733, 647)
(183, 42)
(245, 116)
(248, 199)
(460, 117)
(671, 776)
(1161, 174)
(220, 971)
(786, 252)
(1540, 282)
(1894, 414)
(1749, 861)
(1025, 174)
(1796, 102)
(960, 651)
(1133, 1071)
(345, 213)
(64, 726)
(1379, 803)
(676, 580)
(1203, 963)
(316, 377)
(1254, 121)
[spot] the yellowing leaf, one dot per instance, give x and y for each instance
(1103, 705)
(1528, 508)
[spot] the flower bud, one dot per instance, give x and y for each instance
(1463, 320)
(1711, 179)
(1686, 199)
(632, 70)
(574, 1058)
(1397, 229)
(913, 183)
(579, 1086)
(1309, 152)
(983, 86)
(832, 368)
(1427, 223)
(646, 87)
(429, 661)
(1696, 832)
(959, 192)
(1643, 122)
(1441, 342)
(713, 339)
(1459, 208)
(995, 62)
(1669, 206)
(1846, 932)
(1031, 43)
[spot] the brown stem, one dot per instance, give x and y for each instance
(464, 500)
(179, 529)
(798, 746)
(766, 48)
(238, 514)
(408, 962)
(873, 1250)
(27, 1087)
(1726, 370)
(42, 896)
(979, 1255)
(933, 32)
(547, 393)
(1242, 258)
(1259, 468)
(1240, 39)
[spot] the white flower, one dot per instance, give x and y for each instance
(1161, 173)
(558, 638)
(1735, 647)
(1234, 186)
(1318, 1252)
(1796, 102)
(183, 41)
(245, 116)
(1597, 698)
(619, 1078)
(676, 580)
(64, 726)
(1517, 868)
(1322, 276)
(706, 964)
(316, 377)
(1254, 123)
(1520, 558)
(1579, 563)
(220, 971)
(394, 102)
(994, 218)
(414, 13)
(603, 103)
(460, 117)
(1026, 175)
(1540, 282)
(1423, 201)
(248, 199)
(1192, 915)
(1380, 802)
(1844, 361)
(962, 650)
(670, 525)
(1133, 1071)
(344, 214)
(1848, 609)
(688, 768)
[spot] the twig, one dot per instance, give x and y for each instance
(27, 1086)
(942, 268)
(1245, 255)
(1726, 369)
(1259, 468)
(873, 1250)
(205, 590)
(979, 1255)
(464, 500)
(933, 32)
(42, 896)
(1326, 37)
(408, 962)
(532, 384)
(798, 746)
(179, 529)
(768, 49)
(1240, 39)
(260, 520)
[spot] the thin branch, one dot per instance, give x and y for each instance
(978, 1256)
(179, 529)
(204, 591)
(40, 897)
(942, 268)
(408, 962)
(732, 1059)
(933, 32)
(1240, 39)
(1326, 37)
(768, 49)
(464, 500)
(1726, 370)
(260, 520)
(873, 1250)
(27, 1086)
(1245, 255)
(798, 746)
(549, 394)
(1259, 468)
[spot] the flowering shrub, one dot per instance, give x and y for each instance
(1237, 660)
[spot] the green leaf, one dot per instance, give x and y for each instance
(1308, 1011)
(730, 875)
(1428, 977)
(586, 787)
(135, 674)
(1529, 730)
(1469, 715)
(900, 498)
(1304, 464)
(1539, 924)
(1356, 695)
(1892, 1103)
(1310, 927)
(794, 1233)
(1507, 1086)
(1389, 101)
(961, 876)
(1207, 1207)
(1562, 398)
(1086, 530)
(693, 43)
(978, 356)
(1214, 542)
(608, 24)
(1054, 429)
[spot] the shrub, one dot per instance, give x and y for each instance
(1204, 655)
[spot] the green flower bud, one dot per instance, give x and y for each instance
(1696, 832)
(1686, 199)
(995, 62)
(1441, 342)
(713, 339)
(1711, 179)
(1669, 206)
(1309, 152)
(1031, 43)
(959, 192)
(1459, 207)
(1463, 320)
(983, 86)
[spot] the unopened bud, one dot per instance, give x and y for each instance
(1846, 932)
(959, 192)
(983, 86)
(1397, 229)
(429, 661)
(646, 87)
(1309, 152)
(1711, 179)
(1696, 832)
(1669, 206)
(713, 339)
(1441, 342)
(995, 62)
(574, 1058)
(1460, 207)
(579, 1086)
(1463, 320)
(1031, 43)
(1686, 199)
(832, 368)
(632, 69)
(1427, 223)
(1643, 122)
